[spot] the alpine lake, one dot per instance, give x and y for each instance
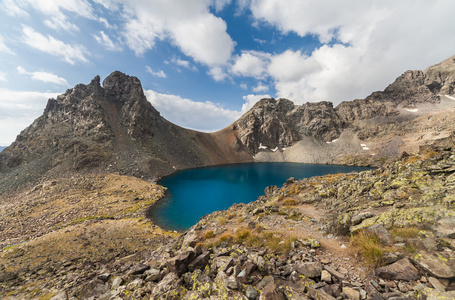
(194, 193)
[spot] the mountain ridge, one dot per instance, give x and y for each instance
(113, 128)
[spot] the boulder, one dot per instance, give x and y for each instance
(439, 265)
(360, 217)
(351, 293)
(400, 270)
(199, 262)
(271, 292)
(318, 294)
(179, 264)
(446, 227)
(309, 269)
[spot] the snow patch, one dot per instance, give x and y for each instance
(262, 147)
(274, 150)
(364, 147)
(283, 149)
(412, 109)
(450, 97)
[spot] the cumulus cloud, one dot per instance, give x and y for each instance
(261, 88)
(371, 43)
(3, 77)
(160, 73)
(43, 76)
(251, 64)
(69, 53)
(218, 73)
(187, 113)
(189, 25)
(18, 109)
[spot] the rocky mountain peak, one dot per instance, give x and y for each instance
(121, 87)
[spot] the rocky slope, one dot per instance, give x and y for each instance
(282, 131)
(289, 244)
(108, 129)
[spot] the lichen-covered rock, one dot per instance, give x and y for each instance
(400, 270)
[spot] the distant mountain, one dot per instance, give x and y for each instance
(2, 147)
(113, 128)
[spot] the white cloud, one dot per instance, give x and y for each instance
(220, 4)
(182, 63)
(189, 25)
(70, 54)
(3, 77)
(103, 39)
(11, 8)
(250, 101)
(372, 43)
(43, 76)
(218, 74)
(187, 113)
(18, 109)
(3, 47)
(260, 88)
(251, 64)
(160, 73)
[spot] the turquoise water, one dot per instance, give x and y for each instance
(196, 192)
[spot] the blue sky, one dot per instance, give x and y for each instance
(203, 63)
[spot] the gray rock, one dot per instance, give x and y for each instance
(135, 284)
(381, 232)
(152, 275)
(351, 293)
(179, 264)
(271, 292)
(251, 293)
(231, 283)
(309, 269)
(446, 227)
(438, 265)
(389, 258)
(170, 282)
(265, 281)
(104, 277)
(326, 276)
(400, 270)
(334, 272)
(199, 262)
(319, 294)
(139, 269)
(437, 284)
(117, 282)
(360, 217)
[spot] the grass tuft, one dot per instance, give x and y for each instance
(370, 247)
